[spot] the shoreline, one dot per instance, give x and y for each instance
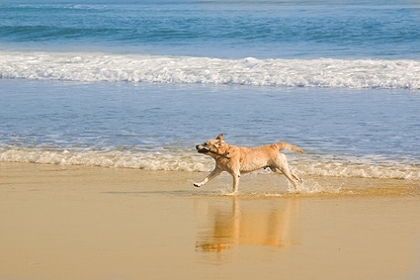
(68, 222)
(254, 183)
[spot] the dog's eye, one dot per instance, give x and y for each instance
(205, 144)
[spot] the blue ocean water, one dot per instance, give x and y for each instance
(223, 29)
(137, 84)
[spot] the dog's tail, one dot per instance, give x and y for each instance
(287, 146)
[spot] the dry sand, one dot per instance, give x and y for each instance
(67, 222)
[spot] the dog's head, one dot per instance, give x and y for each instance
(214, 147)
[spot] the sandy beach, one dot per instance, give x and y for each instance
(70, 222)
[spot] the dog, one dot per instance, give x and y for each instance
(238, 160)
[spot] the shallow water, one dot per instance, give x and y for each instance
(347, 133)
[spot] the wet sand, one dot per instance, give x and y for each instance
(70, 222)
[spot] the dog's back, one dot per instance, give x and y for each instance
(254, 158)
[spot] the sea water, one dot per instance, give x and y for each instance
(137, 84)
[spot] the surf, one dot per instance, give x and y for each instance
(108, 67)
(184, 160)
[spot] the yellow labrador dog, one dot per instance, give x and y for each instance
(240, 160)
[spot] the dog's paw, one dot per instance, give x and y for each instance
(197, 185)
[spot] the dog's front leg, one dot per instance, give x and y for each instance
(213, 174)
(235, 175)
(235, 182)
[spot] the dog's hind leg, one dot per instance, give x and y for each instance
(295, 176)
(289, 175)
(213, 174)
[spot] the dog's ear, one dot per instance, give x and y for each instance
(219, 139)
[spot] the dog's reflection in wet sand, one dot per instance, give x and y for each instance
(254, 222)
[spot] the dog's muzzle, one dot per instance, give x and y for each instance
(202, 149)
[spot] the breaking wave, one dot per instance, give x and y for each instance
(102, 67)
(188, 161)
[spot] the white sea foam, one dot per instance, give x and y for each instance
(97, 67)
(148, 161)
(187, 161)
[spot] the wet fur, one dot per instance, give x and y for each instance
(238, 160)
